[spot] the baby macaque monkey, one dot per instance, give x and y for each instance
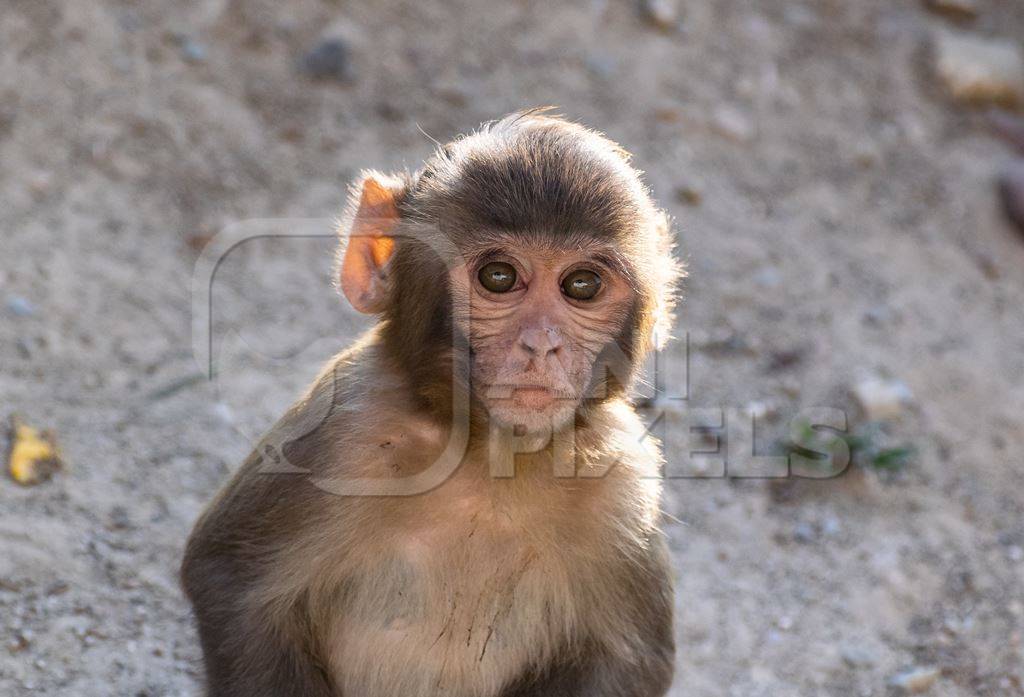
(464, 503)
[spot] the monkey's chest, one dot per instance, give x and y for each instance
(453, 611)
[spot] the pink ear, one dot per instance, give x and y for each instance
(363, 276)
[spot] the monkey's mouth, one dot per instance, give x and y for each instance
(533, 396)
(528, 396)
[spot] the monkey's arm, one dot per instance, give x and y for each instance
(254, 645)
(591, 671)
(247, 568)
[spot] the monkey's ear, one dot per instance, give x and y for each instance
(363, 272)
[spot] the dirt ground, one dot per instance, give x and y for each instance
(836, 210)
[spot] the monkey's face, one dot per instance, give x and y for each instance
(538, 318)
(560, 267)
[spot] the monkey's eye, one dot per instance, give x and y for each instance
(498, 277)
(582, 284)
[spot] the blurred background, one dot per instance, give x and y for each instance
(842, 198)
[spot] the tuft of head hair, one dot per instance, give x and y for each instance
(537, 175)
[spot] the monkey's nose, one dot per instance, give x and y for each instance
(540, 342)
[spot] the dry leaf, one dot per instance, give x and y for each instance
(34, 456)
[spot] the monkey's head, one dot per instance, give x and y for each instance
(527, 257)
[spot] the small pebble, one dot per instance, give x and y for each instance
(120, 518)
(664, 14)
(857, 657)
(915, 680)
(457, 94)
(667, 114)
(20, 306)
(866, 155)
(830, 526)
(804, 533)
(192, 50)
(18, 642)
(689, 195)
(982, 70)
(732, 124)
(761, 409)
(786, 358)
(223, 412)
(1011, 192)
(389, 111)
(328, 60)
(954, 9)
(601, 65)
(39, 183)
(881, 399)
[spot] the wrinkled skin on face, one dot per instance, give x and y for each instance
(534, 346)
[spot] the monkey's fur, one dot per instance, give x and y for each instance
(482, 586)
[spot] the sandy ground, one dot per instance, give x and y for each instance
(847, 228)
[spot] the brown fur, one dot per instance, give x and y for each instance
(481, 586)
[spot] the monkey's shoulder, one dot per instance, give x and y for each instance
(356, 420)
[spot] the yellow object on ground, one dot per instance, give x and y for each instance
(34, 456)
